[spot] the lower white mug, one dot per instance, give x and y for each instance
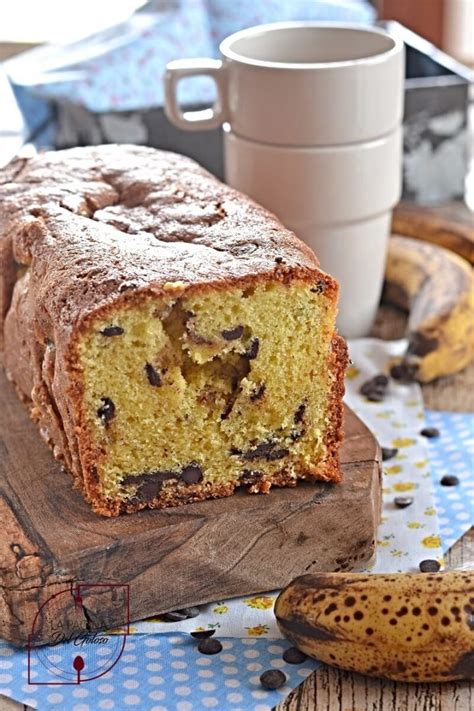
(337, 199)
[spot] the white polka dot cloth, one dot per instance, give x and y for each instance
(161, 669)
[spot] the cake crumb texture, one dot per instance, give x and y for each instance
(170, 337)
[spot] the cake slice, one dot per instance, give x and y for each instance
(171, 338)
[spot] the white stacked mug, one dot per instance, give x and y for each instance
(312, 130)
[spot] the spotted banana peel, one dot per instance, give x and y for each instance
(414, 627)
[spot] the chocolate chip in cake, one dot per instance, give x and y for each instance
(270, 451)
(112, 331)
(148, 485)
(449, 480)
(272, 679)
(252, 349)
(404, 372)
(106, 411)
(389, 453)
(429, 566)
(430, 432)
(293, 655)
(209, 646)
(319, 287)
(249, 476)
(401, 502)
(299, 414)
(192, 474)
(232, 334)
(154, 378)
(202, 634)
(258, 392)
(279, 260)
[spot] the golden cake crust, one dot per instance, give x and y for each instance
(94, 228)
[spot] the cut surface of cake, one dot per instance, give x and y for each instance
(170, 337)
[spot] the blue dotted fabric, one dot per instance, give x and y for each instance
(452, 453)
(158, 673)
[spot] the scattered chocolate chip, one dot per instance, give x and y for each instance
(299, 414)
(430, 432)
(258, 392)
(106, 411)
(191, 612)
(279, 260)
(401, 502)
(192, 474)
(232, 334)
(272, 679)
(252, 349)
(175, 616)
(154, 378)
(449, 480)
(293, 655)
(404, 372)
(209, 646)
(112, 331)
(249, 476)
(429, 566)
(202, 634)
(389, 453)
(375, 389)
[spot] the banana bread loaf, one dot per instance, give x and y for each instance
(170, 337)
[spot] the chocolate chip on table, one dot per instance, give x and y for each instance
(112, 331)
(252, 349)
(375, 389)
(154, 378)
(232, 334)
(430, 432)
(429, 566)
(186, 613)
(404, 372)
(272, 679)
(293, 655)
(401, 502)
(209, 646)
(202, 634)
(449, 480)
(389, 453)
(192, 474)
(175, 616)
(106, 411)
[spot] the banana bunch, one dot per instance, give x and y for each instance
(436, 287)
(408, 627)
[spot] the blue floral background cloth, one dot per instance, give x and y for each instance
(122, 67)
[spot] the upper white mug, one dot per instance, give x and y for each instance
(299, 84)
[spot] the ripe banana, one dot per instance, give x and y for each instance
(428, 225)
(436, 287)
(407, 627)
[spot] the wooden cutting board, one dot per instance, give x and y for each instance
(90, 573)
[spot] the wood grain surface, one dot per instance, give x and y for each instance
(170, 559)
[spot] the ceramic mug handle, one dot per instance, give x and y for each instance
(206, 119)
